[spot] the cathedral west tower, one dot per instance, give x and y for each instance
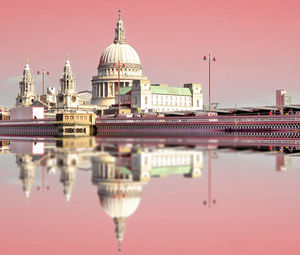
(26, 95)
(67, 97)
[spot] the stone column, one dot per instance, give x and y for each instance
(103, 90)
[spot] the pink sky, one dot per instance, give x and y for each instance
(256, 43)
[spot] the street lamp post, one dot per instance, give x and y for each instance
(210, 58)
(119, 97)
(209, 200)
(43, 72)
(42, 187)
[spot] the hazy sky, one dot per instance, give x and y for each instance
(256, 43)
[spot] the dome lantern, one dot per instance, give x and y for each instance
(120, 31)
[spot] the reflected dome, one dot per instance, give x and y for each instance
(119, 208)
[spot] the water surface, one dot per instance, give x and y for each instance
(98, 196)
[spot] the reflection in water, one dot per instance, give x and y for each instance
(119, 170)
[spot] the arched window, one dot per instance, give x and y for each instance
(67, 84)
(146, 100)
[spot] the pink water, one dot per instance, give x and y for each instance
(256, 211)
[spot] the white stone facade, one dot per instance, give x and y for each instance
(162, 98)
(26, 95)
(105, 84)
(67, 97)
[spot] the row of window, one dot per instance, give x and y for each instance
(116, 70)
(175, 104)
(168, 97)
(77, 117)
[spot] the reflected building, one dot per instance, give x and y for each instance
(69, 153)
(67, 163)
(121, 172)
(158, 162)
(4, 147)
(283, 162)
(27, 165)
(118, 192)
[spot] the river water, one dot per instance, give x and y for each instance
(180, 196)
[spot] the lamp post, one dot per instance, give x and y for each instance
(42, 187)
(209, 200)
(43, 72)
(119, 97)
(210, 58)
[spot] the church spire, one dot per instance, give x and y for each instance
(119, 31)
(68, 60)
(119, 230)
(26, 68)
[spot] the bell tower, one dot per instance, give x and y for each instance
(26, 95)
(67, 97)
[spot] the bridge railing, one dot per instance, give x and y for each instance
(201, 119)
(27, 122)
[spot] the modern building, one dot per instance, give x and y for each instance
(283, 98)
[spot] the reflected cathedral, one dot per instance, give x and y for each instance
(119, 171)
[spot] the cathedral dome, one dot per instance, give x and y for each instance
(123, 206)
(119, 52)
(119, 208)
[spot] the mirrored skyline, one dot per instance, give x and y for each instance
(121, 171)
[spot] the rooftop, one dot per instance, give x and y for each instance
(164, 90)
(124, 90)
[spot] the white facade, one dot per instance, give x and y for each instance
(162, 98)
(67, 97)
(30, 112)
(51, 95)
(26, 95)
(105, 84)
(143, 164)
